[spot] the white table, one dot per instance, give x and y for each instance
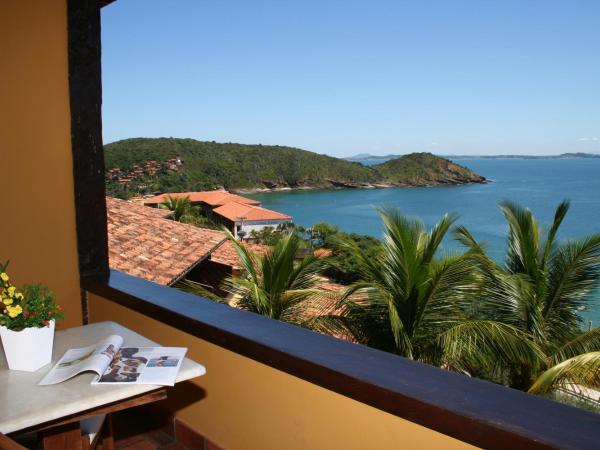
(24, 405)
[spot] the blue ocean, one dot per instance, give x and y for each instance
(539, 184)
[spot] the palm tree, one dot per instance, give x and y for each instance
(182, 208)
(415, 303)
(539, 289)
(275, 284)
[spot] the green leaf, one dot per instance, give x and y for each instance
(483, 343)
(585, 343)
(583, 370)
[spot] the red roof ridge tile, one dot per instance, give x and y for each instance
(212, 198)
(234, 210)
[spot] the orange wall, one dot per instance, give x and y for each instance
(37, 218)
(248, 405)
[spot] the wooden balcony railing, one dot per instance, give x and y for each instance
(471, 410)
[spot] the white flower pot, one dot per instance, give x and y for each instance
(28, 349)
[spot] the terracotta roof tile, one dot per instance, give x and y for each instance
(212, 198)
(144, 243)
(323, 252)
(234, 211)
(227, 254)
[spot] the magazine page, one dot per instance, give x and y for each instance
(96, 357)
(144, 365)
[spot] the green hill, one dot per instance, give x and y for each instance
(210, 165)
(424, 169)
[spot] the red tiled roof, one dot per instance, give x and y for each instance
(212, 198)
(227, 254)
(234, 211)
(323, 252)
(143, 243)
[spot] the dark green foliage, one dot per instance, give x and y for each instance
(209, 165)
(35, 306)
(117, 190)
(192, 287)
(202, 222)
(267, 236)
(540, 290)
(418, 169)
(412, 301)
(276, 284)
(271, 236)
(181, 208)
(183, 211)
(344, 265)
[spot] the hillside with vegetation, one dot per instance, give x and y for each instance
(239, 167)
(419, 169)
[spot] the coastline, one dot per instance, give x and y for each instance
(340, 186)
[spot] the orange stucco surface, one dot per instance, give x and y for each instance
(243, 404)
(37, 212)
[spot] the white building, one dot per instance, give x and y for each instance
(247, 218)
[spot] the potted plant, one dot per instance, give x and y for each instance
(27, 320)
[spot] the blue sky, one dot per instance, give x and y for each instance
(347, 77)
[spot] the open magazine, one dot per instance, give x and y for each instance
(116, 365)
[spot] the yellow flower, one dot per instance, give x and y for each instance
(4, 277)
(14, 311)
(11, 291)
(8, 301)
(19, 296)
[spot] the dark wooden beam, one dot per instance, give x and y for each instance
(8, 444)
(118, 405)
(85, 89)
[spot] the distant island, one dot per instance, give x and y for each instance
(579, 155)
(149, 165)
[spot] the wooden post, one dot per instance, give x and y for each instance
(63, 437)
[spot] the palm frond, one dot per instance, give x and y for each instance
(523, 239)
(180, 206)
(369, 269)
(464, 237)
(372, 319)
(437, 235)
(584, 343)
(274, 284)
(247, 258)
(408, 294)
(573, 274)
(582, 370)
(330, 324)
(192, 287)
(485, 343)
(446, 296)
(559, 215)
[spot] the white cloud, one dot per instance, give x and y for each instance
(587, 139)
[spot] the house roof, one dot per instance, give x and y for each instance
(212, 198)
(234, 211)
(144, 243)
(227, 254)
(323, 252)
